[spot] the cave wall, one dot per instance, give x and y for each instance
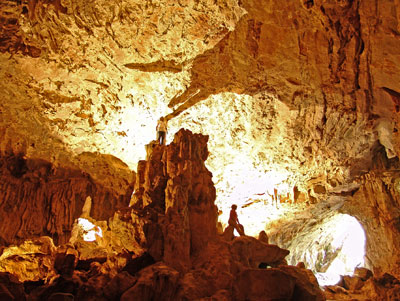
(39, 199)
(376, 206)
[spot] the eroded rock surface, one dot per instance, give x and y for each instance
(39, 198)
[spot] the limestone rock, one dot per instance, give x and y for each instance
(383, 287)
(363, 273)
(31, 261)
(306, 285)
(175, 180)
(251, 252)
(256, 284)
(138, 263)
(352, 283)
(157, 281)
(65, 261)
(213, 269)
(44, 190)
(263, 237)
(82, 85)
(164, 248)
(378, 193)
(11, 288)
(118, 285)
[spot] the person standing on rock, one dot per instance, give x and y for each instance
(234, 221)
(161, 130)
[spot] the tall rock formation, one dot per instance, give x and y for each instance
(175, 179)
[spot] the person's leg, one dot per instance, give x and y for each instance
(162, 134)
(241, 232)
(239, 228)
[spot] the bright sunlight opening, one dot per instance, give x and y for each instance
(89, 230)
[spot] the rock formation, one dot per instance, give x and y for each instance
(365, 286)
(178, 253)
(39, 198)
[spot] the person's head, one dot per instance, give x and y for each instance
(234, 207)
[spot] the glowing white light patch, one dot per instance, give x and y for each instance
(348, 237)
(89, 230)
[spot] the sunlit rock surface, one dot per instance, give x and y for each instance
(300, 100)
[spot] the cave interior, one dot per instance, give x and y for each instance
(290, 110)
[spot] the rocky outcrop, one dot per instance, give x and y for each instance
(158, 281)
(175, 179)
(31, 261)
(365, 286)
(164, 248)
(259, 284)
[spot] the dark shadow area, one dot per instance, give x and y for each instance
(159, 66)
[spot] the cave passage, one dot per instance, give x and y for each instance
(344, 249)
(330, 247)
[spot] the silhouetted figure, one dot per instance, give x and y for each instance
(161, 130)
(234, 221)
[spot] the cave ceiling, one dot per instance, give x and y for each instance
(291, 93)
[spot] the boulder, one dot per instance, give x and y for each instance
(363, 273)
(260, 284)
(306, 285)
(118, 285)
(213, 269)
(138, 263)
(66, 259)
(156, 282)
(263, 237)
(11, 288)
(31, 261)
(251, 252)
(352, 283)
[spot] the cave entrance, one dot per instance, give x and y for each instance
(329, 243)
(338, 248)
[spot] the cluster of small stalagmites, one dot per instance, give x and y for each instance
(173, 252)
(363, 285)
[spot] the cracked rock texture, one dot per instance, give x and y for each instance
(300, 96)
